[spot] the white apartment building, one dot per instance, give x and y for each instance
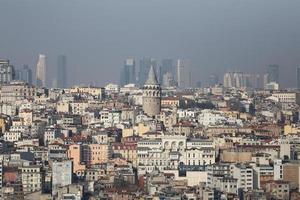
(110, 117)
(170, 151)
(244, 176)
(32, 177)
(61, 174)
(12, 136)
(287, 97)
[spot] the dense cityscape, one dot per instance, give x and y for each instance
(157, 134)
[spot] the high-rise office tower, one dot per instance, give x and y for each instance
(273, 73)
(213, 80)
(145, 65)
(298, 77)
(61, 81)
(41, 71)
(241, 80)
(166, 67)
(24, 74)
(228, 80)
(184, 76)
(168, 80)
(7, 72)
(180, 71)
(128, 72)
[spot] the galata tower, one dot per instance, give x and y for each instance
(151, 95)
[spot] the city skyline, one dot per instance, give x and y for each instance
(133, 99)
(212, 29)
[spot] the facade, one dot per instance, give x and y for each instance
(62, 71)
(12, 136)
(244, 176)
(61, 174)
(32, 178)
(41, 71)
(96, 92)
(287, 97)
(16, 91)
(278, 190)
(92, 154)
(75, 154)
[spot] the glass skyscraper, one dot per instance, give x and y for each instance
(128, 72)
(61, 71)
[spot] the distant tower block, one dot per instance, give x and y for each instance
(151, 95)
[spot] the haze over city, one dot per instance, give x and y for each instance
(97, 36)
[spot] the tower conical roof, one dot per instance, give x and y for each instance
(152, 80)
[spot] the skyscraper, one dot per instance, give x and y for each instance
(7, 72)
(61, 80)
(213, 80)
(184, 77)
(41, 71)
(298, 77)
(24, 74)
(166, 67)
(273, 73)
(145, 65)
(128, 72)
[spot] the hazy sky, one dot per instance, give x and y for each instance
(97, 35)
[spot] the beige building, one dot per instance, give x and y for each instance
(16, 91)
(235, 156)
(291, 129)
(63, 107)
(278, 190)
(32, 178)
(97, 92)
(291, 174)
(99, 153)
(127, 151)
(27, 117)
(79, 107)
(74, 153)
(287, 97)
